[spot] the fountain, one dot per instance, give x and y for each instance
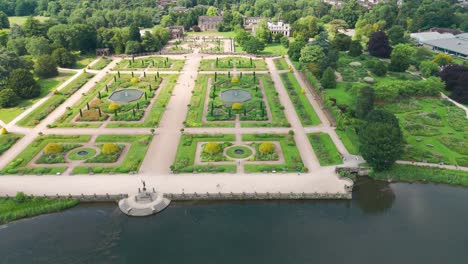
(235, 96)
(144, 203)
(126, 96)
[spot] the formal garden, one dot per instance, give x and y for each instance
(150, 64)
(121, 100)
(231, 63)
(7, 140)
(281, 64)
(325, 150)
(221, 153)
(219, 98)
(54, 154)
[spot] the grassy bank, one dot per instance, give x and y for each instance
(21, 206)
(410, 173)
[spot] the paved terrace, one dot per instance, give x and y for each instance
(155, 168)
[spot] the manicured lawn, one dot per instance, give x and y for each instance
(47, 85)
(301, 103)
(325, 149)
(19, 164)
(293, 161)
(20, 20)
(281, 64)
(349, 139)
(270, 49)
(101, 64)
(410, 173)
(21, 206)
(342, 95)
(227, 64)
(8, 140)
(133, 159)
(41, 112)
(185, 157)
(152, 63)
(83, 60)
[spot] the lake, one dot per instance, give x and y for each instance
(384, 223)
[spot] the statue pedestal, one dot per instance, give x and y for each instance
(144, 203)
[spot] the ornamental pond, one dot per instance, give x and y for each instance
(384, 223)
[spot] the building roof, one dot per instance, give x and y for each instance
(205, 19)
(458, 44)
(463, 36)
(427, 36)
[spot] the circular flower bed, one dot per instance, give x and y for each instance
(82, 154)
(238, 152)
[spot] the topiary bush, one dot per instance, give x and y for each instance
(109, 148)
(236, 106)
(266, 148)
(53, 148)
(114, 106)
(212, 148)
(134, 80)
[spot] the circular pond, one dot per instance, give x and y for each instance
(238, 152)
(82, 153)
(126, 96)
(235, 96)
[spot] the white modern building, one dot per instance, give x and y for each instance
(456, 45)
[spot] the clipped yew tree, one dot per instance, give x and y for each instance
(53, 148)
(378, 45)
(109, 148)
(266, 148)
(381, 140)
(22, 82)
(236, 106)
(328, 79)
(212, 148)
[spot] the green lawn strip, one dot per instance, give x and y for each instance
(292, 157)
(20, 20)
(341, 94)
(8, 140)
(101, 64)
(157, 111)
(19, 164)
(224, 65)
(72, 111)
(160, 63)
(21, 206)
(197, 102)
(350, 140)
(231, 152)
(325, 149)
(41, 112)
(274, 49)
(276, 108)
(132, 161)
(304, 109)
(47, 85)
(185, 157)
(83, 60)
(410, 173)
(281, 64)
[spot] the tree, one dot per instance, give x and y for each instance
(4, 23)
(396, 34)
(266, 148)
(382, 117)
(451, 73)
(134, 33)
(8, 98)
(460, 91)
(9, 61)
(22, 82)
(150, 43)
(400, 58)
(312, 54)
(45, 67)
(63, 57)
(328, 79)
(253, 46)
(355, 48)
(351, 12)
(37, 46)
(109, 148)
(132, 47)
(241, 36)
(381, 143)
(378, 45)
(294, 51)
(341, 42)
(212, 11)
(379, 69)
(442, 59)
(284, 41)
(53, 148)
(17, 45)
(212, 148)
(428, 68)
(32, 27)
(365, 102)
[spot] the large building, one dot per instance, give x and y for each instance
(251, 22)
(207, 23)
(279, 27)
(456, 45)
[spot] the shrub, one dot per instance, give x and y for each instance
(328, 79)
(45, 67)
(442, 59)
(3, 131)
(20, 197)
(8, 98)
(109, 148)
(379, 69)
(234, 80)
(96, 103)
(53, 148)
(266, 148)
(212, 148)
(134, 80)
(114, 106)
(236, 106)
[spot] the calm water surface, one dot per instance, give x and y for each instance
(397, 223)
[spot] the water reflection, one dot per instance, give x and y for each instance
(373, 197)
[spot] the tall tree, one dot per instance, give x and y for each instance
(253, 46)
(378, 45)
(365, 102)
(355, 48)
(63, 57)
(22, 82)
(294, 51)
(134, 33)
(312, 54)
(328, 79)
(400, 58)
(45, 67)
(4, 23)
